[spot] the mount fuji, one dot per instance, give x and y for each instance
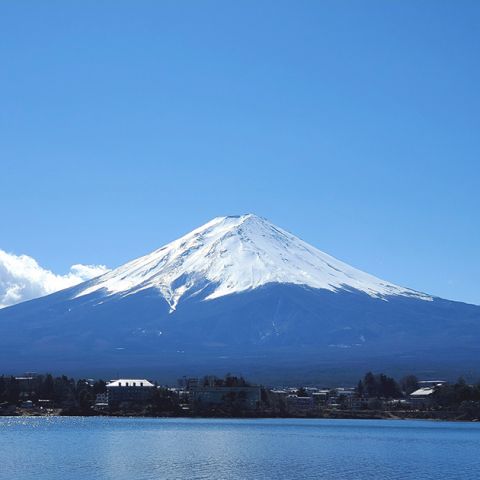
(240, 294)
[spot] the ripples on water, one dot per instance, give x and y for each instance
(69, 448)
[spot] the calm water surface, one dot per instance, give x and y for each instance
(141, 449)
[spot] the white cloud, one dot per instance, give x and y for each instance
(22, 278)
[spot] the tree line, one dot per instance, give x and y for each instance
(59, 390)
(79, 396)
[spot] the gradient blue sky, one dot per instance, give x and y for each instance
(355, 125)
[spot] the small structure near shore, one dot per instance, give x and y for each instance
(229, 392)
(422, 397)
(129, 390)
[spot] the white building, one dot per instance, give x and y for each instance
(422, 396)
(131, 390)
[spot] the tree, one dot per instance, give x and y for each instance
(301, 392)
(47, 387)
(388, 387)
(360, 389)
(85, 400)
(380, 386)
(409, 384)
(100, 386)
(163, 401)
(12, 391)
(2, 388)
(370, 385)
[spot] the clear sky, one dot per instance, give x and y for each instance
(355, 125)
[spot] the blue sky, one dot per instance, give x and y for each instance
(355, 125)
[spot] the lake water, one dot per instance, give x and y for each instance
(140, 449)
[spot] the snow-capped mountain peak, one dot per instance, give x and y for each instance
(234, 254)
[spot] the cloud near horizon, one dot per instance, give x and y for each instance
(22, 278)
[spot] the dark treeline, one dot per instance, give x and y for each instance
(379, 386)
(73, 397)
(374, 392)
(383, 386)
(76, 394)
(448, 395)
(460, 396)
(228, 381)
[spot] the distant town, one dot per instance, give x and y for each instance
(375, 396)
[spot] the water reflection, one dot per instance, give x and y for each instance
(121, 449)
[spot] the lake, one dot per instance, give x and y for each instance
(71, 448)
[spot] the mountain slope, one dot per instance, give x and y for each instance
(240, 294)
(236, 254)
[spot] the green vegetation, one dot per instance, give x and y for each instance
(379, 386)
(375, 396)
(76, 397)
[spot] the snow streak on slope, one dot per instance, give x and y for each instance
(234, 254)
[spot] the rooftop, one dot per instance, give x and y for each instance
(422, 392)
(130, 382)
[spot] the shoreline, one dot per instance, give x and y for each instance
(439, 417)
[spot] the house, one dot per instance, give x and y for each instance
(28, 404)
(248, 396)
(344, 398)
(187, 383)
(320, 397)
(26, 383)
(299, 405)
(277, 399)
(101, 400)
(422, 397)
(129, 390)
(45, 404)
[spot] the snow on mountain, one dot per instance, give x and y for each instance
(235, 254)
(240, 294)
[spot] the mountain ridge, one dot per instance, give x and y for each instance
(189, 308)
(238, 253)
